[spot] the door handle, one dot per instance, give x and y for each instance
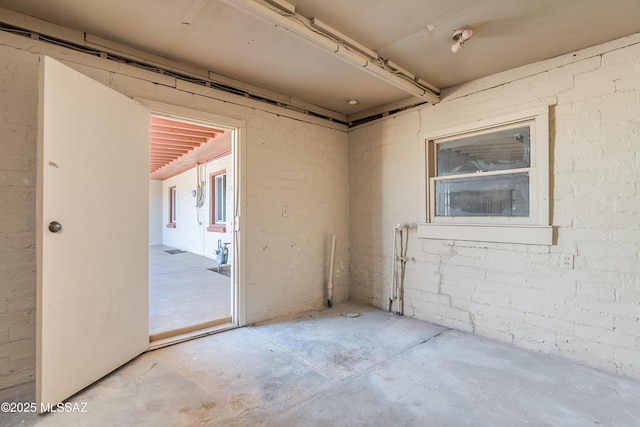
(55, 226)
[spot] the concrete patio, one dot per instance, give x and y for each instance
(183, 291)
(322, 368)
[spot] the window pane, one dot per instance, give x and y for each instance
(500, 150)
(496, 195)
(174, 193)
(221, 198)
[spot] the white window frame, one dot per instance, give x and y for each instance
(534, 229)
(220, 195)
(173, 201)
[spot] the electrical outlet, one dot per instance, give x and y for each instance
(566, 261)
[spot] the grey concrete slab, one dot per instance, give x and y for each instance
(458, 379)
(143, 395)
(322, 369)
(340, 346)
(209, 381)
(23, 393)
(245, 374)
(183, 291)
(188, 298)
(161, 262)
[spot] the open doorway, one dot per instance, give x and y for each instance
(191, 205)
(92, 279)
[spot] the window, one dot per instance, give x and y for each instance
(221, 197)
(218, 203)
(489, 181)
(173, 197)
(483, 175)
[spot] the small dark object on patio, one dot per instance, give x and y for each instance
(176, 251)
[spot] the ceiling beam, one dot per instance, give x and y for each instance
(157, 121)
(177, 132)
(173, 143)
(174, 153)
(190, 141)
(174, 123)
(328, 40)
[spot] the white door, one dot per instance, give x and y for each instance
(93, 178)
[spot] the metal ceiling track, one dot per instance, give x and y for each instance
(427, 94)
(282, 15)
(155, 68)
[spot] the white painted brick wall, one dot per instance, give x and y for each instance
(18, 136)
(305, 169)
(191, 232)
(518, 293)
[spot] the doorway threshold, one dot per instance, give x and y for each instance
(175, 336)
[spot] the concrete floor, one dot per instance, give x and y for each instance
(183, 292)
(323, 369)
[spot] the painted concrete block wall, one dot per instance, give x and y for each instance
(191, 232)
(155, 212)
(297, 198)
(518, 293)
(288, 161)
(18, 136)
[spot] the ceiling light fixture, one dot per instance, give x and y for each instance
(460, 36)
(353, 102)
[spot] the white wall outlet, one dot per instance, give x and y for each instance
(285, 211)
(566, 261)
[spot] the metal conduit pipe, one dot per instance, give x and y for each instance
(396, 289)
(330, 281)
(392, 286)
(402, 259)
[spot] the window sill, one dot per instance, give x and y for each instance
(519, 234)
(217, 228)
(171, 225)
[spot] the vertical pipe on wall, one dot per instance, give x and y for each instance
(330, 281)
(404, 243)
(396, 289)
(392, 288)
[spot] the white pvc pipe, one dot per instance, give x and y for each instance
(400, 281)
(330, 281)
(392, 283)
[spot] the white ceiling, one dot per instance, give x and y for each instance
(414, 34)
